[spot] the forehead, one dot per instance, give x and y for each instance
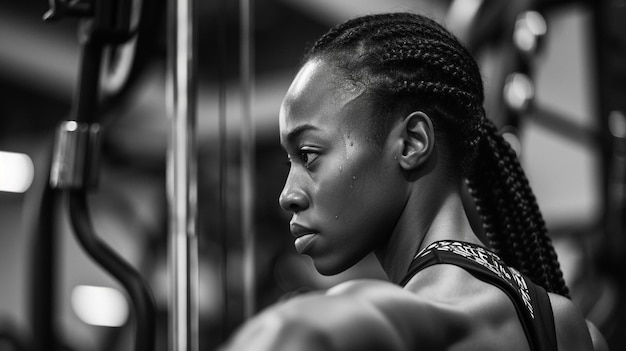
(319, 96)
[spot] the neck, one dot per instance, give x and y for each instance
(428, 216)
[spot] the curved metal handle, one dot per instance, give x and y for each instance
(112, 22)
(139, 292)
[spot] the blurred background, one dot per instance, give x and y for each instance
(555, 77)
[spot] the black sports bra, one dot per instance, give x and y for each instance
(531, 301)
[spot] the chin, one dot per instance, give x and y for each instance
(328, 272)
(330, 268)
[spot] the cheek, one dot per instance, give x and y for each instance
(336, 193)
(351, 186)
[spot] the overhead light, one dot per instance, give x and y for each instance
(519, 91)
(16, 172)
(530, 28)
(100, 306)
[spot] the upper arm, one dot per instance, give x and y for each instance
(572, 331)
(597, 339)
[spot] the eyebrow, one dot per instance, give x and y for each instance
(299, 130)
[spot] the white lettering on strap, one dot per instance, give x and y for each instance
(487, 259)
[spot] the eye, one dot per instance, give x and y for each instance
(307, 157)
(304, 157)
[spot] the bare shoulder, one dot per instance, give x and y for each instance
(377, 315)
(573, 332)
(318, 321)
(358, 315)
(417, 321)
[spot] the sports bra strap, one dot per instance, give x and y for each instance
(531, 301)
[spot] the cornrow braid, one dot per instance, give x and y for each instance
(433, 87)
(409, 62)
(465, 102)
(421, 52)
(365, 25)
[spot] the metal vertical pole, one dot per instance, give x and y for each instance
(182, 176)
(610, 40)
(247, 156)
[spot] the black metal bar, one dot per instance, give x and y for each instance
(247, 144)
(86, 95)
(610, 45)
(138, 291)
(85, 112)
(43, 269)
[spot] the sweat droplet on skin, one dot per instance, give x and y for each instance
(351, 184)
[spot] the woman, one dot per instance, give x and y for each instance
(385, 132)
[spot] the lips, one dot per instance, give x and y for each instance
(304, 237)
(298, 230)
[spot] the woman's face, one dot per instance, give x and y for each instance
(346, 193)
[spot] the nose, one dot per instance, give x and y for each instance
(293, 198)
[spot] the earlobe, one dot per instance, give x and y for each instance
(418, 140)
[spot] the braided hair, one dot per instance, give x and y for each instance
(409, 62)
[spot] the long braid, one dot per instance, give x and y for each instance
(413, 61)
(509, 211)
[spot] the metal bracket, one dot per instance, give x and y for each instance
(75, 156)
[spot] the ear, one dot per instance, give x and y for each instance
(418, 138)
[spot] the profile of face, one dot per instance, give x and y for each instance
(345, 192)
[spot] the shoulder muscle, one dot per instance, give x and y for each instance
(347, 323)
(417, 321)
(571, 330)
